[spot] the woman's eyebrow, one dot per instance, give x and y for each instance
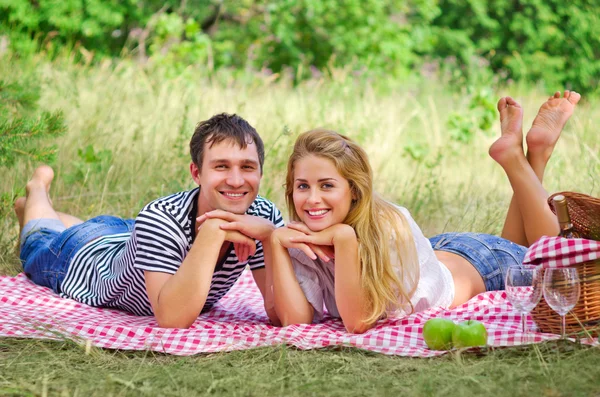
(320, 180)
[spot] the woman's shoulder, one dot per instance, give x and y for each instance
(404, 211)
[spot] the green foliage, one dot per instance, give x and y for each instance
(89, 162)
(370, 34)
(21, 128)
(101, 26)
(481, 114)
(554, 41)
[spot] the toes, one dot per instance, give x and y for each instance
(574, 97)
(501, 104)
(44, 172)
(567, 94)
(556, 94)
(512, 102)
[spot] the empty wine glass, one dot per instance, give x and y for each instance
(524, 290)
(561, 291)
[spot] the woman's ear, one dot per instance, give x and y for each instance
(354, 194)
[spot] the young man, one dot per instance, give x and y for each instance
(173, 261)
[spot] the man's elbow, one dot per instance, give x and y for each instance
(174, 322)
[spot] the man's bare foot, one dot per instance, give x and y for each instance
(510, 143)
(42, 178)
(19, 207)
(548, 124)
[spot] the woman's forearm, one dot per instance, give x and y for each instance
(269, 298)
(291, 304)
(349, 293)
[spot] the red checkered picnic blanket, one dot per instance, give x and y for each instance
(237, 322)
(561, 252)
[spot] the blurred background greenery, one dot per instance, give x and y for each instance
(553, 42)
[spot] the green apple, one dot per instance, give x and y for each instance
(469, 333)
(437, 333)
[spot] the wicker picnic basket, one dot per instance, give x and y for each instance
(585, 216)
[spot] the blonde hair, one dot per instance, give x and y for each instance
(373, 219)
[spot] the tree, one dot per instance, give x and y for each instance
(22, 127)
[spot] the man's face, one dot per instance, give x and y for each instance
(229, 178)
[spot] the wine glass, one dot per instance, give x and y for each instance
(561, 291)
(523, 287)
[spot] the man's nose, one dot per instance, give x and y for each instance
(235, 178)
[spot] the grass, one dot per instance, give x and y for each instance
(127, 144)
(548, 369)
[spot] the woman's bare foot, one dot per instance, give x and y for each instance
(548, 125)
(510, 143)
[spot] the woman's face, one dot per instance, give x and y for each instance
(322, 197)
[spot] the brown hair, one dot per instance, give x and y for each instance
(223, 127)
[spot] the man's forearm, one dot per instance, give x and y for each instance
(183, 296)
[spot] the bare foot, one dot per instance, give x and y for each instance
(42, 178)
(19, 207)
(510, 143)
(549, 122)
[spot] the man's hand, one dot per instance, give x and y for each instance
(244, 245)
(252, 226)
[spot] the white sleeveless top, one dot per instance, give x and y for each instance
(435, 287)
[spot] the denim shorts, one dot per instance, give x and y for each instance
(47, 248)
(490, 255)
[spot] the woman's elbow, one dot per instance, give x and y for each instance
(286, 320)
(358, 328)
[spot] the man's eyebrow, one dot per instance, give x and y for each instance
(223, 161)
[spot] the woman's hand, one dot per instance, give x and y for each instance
(284, 236)
(328, 237)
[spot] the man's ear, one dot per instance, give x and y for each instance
(195, 171)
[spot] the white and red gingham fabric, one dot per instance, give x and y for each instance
(561, 252)
(237, 322)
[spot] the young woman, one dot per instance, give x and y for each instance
(364, 258)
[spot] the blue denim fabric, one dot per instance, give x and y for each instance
(490, 255)
(46, 252)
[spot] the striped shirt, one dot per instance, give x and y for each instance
(109, 271)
